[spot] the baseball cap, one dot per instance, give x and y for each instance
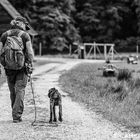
(24, 20)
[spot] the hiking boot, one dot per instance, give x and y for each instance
(18, 120)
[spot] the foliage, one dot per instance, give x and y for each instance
(134, 83)
(107, 20)
(62, 22)
(116, 100)
(55, 23)
(52, 20)
(124, 74)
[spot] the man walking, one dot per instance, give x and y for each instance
(17, 75)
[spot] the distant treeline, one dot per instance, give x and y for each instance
(60, 23)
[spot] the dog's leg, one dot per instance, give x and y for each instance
(54, 114)
(60, 112)
(51, 111)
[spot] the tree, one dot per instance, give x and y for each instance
(22, 6)
(62, 22)
(136, 4)
(56, 29)
(108, 20)
(52, 20)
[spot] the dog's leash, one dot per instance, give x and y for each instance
(33, 93)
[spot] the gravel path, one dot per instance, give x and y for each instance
(79, 123)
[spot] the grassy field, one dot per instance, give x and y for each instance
(118, 101)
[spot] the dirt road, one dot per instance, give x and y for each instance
(79, 123)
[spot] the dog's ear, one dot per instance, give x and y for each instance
(53, 88)
(49, 93)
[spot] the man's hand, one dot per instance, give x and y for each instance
(29, 69)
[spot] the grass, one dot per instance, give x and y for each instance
(43, 62)
(124, 74)
(118, 101)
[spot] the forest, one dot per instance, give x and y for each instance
(61, 23)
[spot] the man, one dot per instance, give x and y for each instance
(17, 79)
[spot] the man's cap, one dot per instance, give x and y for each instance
(24, 20)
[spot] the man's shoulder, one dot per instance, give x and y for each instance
(19, 31)
(25, 34)
(4, 33)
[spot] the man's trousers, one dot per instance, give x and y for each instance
(17, 81)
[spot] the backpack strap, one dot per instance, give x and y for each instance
(20, 33)
(8, 32)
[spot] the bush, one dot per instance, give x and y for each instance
(124, 74)
(118, 90)
(134, 83)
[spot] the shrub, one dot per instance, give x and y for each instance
(137, 82)
(134, 83)
(118, 90)
(124, 74)
(121, 96)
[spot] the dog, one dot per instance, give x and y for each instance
(55, 100)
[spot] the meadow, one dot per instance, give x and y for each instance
(117, 100)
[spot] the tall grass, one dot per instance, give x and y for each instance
(118, 99)
(124, 74)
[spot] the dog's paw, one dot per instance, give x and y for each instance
(50, 121)
(55, 120)
(60, 119)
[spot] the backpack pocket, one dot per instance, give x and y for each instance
(2, 60)
(20, 59)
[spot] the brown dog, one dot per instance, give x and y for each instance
(55, 100)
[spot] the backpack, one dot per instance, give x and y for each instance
(12, 55)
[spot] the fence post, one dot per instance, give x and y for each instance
(105, 51)
(81, 51)
(70, 49)
(40, 48)
(94, 44)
